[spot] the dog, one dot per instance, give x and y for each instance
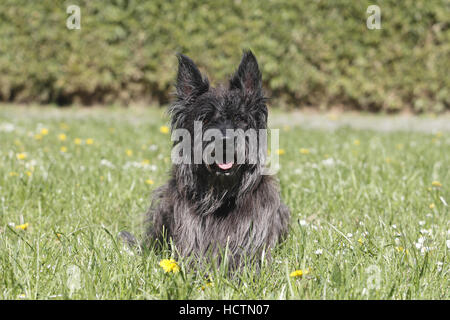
(225, 208)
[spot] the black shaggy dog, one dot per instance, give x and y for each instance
(208, 209)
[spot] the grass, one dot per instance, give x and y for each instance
(367, 221)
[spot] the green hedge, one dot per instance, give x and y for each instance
(312, 53)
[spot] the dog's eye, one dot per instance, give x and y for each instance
(240, 120)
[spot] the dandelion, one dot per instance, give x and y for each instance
(356, 142)
(28, 173)
(332, 116)
(44, 131)
(62, 137)
(208, 283)
(89, 141)
(145, 162)
(77, 141)
(281, 152)
(388, 160)
(21, 156)
(149, 181)
(299, 273)
(63, 149)
(432, 206)
(361, 241)
(22, 226)
(304, 151)
(169, 265)
(13, 174)
(436, 184)
(164, 129)
(129, 152)
(400, 249)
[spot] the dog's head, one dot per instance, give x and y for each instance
(227, 117)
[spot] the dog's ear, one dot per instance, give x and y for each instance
(190, 82)
(247, 77)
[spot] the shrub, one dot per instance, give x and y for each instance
(312, 53)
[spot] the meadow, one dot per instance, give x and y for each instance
(370, 214)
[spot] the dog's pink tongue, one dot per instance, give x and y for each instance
(225, 166)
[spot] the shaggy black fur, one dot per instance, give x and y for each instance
(202, 209)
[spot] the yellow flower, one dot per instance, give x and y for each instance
(63, 149)
(436, 184)
(432, 205)
(38, 136)
(64, 126)
(399, 249)
(145, 162)
(281, 152)
(169, 265)
(44, 131)
(299, 273)
(207, 284)
(22, 226)
(58, 236)
(28, 173)
(332, 116)
(89, 141)
(360, 240)
(21, 156)
(304, 151)
(149, 181)
(77, 141)
(13, 174)
(388, 160)
(164, 129)
(356, 142)
(399, 146)
(129, 152)
(62, 137)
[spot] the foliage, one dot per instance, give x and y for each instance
(312, 53)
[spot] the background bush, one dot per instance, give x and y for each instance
(312, 53)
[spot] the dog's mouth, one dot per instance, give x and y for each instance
(225, 168)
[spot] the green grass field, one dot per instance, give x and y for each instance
(370, 218)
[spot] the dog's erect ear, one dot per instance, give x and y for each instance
(190, 82)
(247, 77)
